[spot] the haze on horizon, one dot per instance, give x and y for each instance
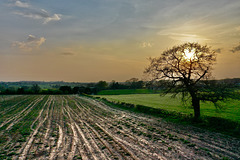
(92, 40)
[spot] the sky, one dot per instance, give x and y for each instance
(93, 40)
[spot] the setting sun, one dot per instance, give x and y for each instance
(119, 79)
(76, 40)
(189, 54)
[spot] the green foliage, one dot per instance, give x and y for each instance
(66, 89)
(126, 91)
(35, 88)
(189, 73)
(101, 85)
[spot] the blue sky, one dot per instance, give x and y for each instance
(92, 40)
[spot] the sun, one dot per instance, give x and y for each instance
(189, 54)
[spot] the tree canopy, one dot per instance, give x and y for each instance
(183, 67)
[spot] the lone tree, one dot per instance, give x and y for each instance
(182, 67)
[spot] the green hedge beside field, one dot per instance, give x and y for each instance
(126, 91)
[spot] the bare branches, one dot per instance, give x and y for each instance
(175, 65)
(184, 69)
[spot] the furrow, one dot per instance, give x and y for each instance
(29, 143)
(15, 116)
(18, 118)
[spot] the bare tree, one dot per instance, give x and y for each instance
(183, 67)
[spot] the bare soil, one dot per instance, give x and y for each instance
(73, 127)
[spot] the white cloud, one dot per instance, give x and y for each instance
(30, 44)
(188, 37)
(183, 37)
(55, 17)
(21, 4)
(25, 10)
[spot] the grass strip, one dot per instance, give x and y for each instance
(216, 124)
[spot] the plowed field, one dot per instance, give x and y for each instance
(73, 127)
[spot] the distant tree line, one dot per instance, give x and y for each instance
(36, 89)
(67, 88)
(89, 88)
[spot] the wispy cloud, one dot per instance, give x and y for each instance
(183, 37)
(40, 14)
(235, 49)
(146, 44)
(67, 53)
(218, 50)
(21, 4)
(30, 44)
(55, 17)
(26, 10)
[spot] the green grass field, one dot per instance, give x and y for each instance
(230, 110)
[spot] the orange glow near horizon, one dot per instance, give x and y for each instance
(89, 41)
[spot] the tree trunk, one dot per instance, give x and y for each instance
(196, 106)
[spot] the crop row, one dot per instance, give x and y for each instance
(74, 127)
